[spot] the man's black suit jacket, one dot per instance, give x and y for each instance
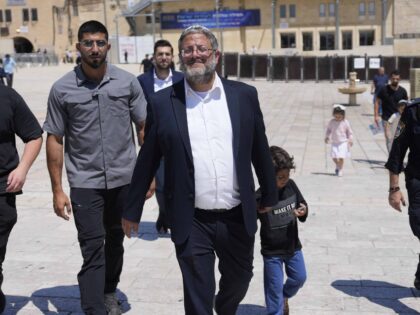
(147, 81)
(168, 136)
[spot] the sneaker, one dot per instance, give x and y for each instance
(2, 302)
(286, 306)
(417, 283)
(340, 173)
(112, 304)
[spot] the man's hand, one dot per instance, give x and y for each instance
(326, 140)
(395, 200)
(15, 180)
(350, 143)
(151, 190)
(377, 120)
(129, 227)
(264, 209)
(301, 211)
(62, 205)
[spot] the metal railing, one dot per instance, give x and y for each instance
(311, 68)
(35, 59)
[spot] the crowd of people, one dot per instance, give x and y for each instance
(200, 136)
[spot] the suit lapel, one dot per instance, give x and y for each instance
(150, 82)
(180, 111)
(234, 112)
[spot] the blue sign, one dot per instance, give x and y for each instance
(227, 18)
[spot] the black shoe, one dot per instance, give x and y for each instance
(2, 302)
(417, 283)
(161, 226)
(112, 304)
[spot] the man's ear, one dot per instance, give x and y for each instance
(78, 46)
(217, 54)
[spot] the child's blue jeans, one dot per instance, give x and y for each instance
(275, 288)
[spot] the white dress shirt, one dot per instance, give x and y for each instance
(211, 138)
(160, 84)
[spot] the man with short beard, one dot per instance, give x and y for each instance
(93, 108)
(210, 131)
(157, 78)
(389, 96)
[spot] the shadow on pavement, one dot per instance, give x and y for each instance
(56, 300)
(147, 232)
(251, 309)
(379, 292)
(373, 162)
(321, 173)
(14, 303)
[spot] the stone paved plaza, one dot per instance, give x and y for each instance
(360, 253)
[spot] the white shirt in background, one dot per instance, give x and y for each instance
(161, 84)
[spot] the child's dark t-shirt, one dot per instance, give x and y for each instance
(279, 239)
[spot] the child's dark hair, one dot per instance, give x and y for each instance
(339, 111)
(281, 159)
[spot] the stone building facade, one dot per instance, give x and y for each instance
(286, 27)
(303, 27)
(52, 25)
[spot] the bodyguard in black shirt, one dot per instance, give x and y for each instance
(15, 119)
(389, 96)
(407, 137)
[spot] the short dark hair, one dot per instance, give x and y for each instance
(92, 27)
(281, 159)
(162, 43)
(339, 111)
(395, 72)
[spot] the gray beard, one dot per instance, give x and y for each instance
(199, 76)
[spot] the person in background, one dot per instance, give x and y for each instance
(389, 96)
(9, 66)
(157, 78)
(341, 136)
(379, 80)
(146, 64)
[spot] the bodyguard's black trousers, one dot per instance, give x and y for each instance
(97, 214)
(8, 218)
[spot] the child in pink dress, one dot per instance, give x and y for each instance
(341, 136)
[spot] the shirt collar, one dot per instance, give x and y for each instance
(81, 78)
(214, 93)
(168, 78)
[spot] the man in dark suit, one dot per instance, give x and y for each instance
(210, 136)
(156, 79)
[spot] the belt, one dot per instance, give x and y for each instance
(213, 210)
(219, 210)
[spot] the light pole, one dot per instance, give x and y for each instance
(217, 7)
(273, 24)
(337, 24)
(105, 19)
(117, 36)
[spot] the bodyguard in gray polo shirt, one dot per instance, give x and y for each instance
(92, 108)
